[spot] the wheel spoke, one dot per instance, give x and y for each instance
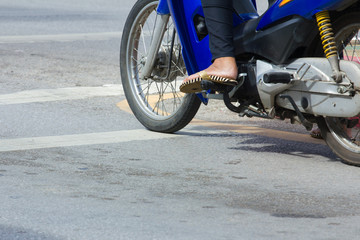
(143, 38)
(166, 92)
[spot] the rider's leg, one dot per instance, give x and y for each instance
(219, 22)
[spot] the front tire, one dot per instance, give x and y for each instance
(156, 101)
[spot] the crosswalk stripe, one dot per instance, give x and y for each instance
(30, 143)
(73, 93)
(19, 144)
(60, 37)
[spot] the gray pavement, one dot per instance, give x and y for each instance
(73, 165)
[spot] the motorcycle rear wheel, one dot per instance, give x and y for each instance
(156, 101)
(344, 141)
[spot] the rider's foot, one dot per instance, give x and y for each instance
(225, 68)
(222, 67)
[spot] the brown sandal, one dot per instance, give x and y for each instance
(194, 85)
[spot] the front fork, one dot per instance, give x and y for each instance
(159, 30)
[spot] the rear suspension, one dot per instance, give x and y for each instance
(328, 43)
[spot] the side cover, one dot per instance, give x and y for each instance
(305, 8)
(285, 31)
(278, 43)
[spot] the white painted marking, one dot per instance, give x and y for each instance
(20, 144)
(60, 94)
(60, 37)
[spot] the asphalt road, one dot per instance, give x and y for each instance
(75, 164)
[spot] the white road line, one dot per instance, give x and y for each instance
(73, 93)
(20, 144)
(60, 37)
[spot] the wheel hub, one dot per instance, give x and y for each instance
(161, 72)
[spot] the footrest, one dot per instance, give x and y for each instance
(209, 85)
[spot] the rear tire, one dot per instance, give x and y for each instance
(343, 141)
(156, 102)
(341, 144)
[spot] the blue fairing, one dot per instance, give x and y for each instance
(196, 53)
(304, 8)
(163, 7)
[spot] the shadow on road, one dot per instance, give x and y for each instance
(292, 148)
(263, 144)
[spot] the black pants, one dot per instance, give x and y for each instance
(219, 22)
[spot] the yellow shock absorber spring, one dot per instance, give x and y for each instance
(326, 33)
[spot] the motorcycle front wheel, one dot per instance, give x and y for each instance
(343, 135)
(155, 101)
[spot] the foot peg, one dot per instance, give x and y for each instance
(278, 77)
(209, 85)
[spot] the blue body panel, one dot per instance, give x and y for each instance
(196, 53)
(163, 8)
(304, 8)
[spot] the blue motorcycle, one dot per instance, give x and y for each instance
(299, 60)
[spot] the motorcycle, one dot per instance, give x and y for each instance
(299, 60)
